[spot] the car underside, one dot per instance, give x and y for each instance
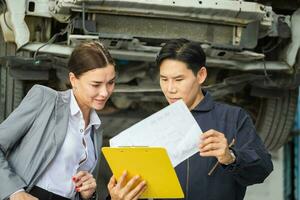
(252, 50)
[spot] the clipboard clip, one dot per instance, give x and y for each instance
(131, 146)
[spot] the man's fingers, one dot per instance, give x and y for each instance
(215, 153)
(122, 179)
(208, 153)
(130, 183)
(213, 146)
(112, 183)
(210, 147)
(211, 133)
(208, 141)
(137, 190)
(208, 133)
(142, 188)
(126, 190)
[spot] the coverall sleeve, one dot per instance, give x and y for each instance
(253, 162)
(12, 131)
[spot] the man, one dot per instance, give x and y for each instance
(231, 155)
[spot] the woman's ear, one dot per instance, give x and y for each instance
(72, 79)
(201, 75)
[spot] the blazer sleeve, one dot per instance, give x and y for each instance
(253, 162)
(11, 131)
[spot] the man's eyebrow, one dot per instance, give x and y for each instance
(178, 76)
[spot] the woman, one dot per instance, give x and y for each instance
(51, 143)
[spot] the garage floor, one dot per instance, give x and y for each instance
(272, 188)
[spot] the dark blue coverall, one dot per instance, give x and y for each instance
(253, 162)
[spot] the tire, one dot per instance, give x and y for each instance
(11, 90)
(276, 118)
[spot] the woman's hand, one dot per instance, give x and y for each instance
(22, 195)
(120, 190)
(85, 184)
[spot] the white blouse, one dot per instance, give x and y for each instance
(76, 154)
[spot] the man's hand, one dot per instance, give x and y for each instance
(22, 196)
(124, 191)
(214, 143)
(85, 183)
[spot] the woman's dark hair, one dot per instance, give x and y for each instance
(88, 56)
(191, 53)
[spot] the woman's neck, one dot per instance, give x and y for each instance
(85, 111)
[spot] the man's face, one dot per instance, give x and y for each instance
(177, 82)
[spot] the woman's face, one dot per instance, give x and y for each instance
(93, 88)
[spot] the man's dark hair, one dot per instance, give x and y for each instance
(191, 53)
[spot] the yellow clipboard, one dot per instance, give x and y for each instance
(151, 163)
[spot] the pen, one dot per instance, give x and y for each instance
(217, 163)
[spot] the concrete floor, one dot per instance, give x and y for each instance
(272, 188)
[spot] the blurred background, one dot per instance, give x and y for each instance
(252, 50)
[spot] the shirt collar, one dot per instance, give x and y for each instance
(206, 104)
(74, 107)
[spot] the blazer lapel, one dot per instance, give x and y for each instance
(97, 139)
(62, 110)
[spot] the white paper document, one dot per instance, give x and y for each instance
(173, 128)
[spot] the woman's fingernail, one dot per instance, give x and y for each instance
(74, 178)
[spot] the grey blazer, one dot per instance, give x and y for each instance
(32, 135)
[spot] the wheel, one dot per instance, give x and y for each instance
(273, 116)
(276, 118)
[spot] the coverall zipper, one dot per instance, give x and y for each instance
(187, 179)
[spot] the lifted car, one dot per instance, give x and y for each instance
(252, 52)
